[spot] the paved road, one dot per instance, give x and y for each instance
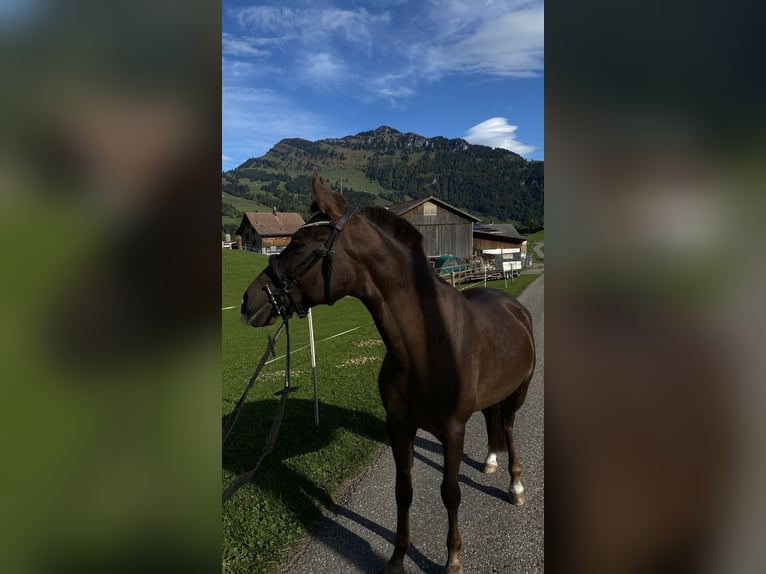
(497, 537)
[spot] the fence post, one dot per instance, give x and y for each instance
(313, 367)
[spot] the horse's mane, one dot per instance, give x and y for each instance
(399, 228)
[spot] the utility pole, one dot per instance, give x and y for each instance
(341, 186)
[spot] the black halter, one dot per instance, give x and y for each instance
(324, 253)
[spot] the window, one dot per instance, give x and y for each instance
(429, 209)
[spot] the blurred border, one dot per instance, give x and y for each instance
(654, 129)
(109, 175)
(109, 179)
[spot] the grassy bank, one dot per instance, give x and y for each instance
(532, 240)
(309, 466)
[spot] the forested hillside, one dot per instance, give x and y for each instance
(386, 166)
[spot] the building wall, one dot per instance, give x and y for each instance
(250, 239)
(480, 244)
(278, 242)
(253, 241)
(444, 232)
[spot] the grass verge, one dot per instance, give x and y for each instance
(309, 466)
(532, 240)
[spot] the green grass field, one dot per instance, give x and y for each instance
(244, 205)
(309, 466)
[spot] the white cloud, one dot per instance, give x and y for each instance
(497, 132)
(323, 69)
(226, 158)
(310, 23)
(393, 86)
(242, 46)
(405, 46)
(454, 17)
(511, 44)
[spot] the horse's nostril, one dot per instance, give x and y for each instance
(243, 309)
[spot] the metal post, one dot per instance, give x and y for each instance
(313, 368)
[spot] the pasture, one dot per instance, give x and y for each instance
(309, 466)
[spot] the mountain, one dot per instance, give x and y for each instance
(386, 166)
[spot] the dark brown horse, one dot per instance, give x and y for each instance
(449, 354)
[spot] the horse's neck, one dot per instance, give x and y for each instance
(403, 294)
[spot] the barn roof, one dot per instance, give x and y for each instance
(404, 207)
(269, 224)
(498, 229)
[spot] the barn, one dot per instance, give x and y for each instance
(446, 230)
(268, 232)
(501, 244)
(498, 236)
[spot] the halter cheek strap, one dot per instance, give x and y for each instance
(324, 253)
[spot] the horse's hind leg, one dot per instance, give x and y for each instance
(495, 437)
(402, 439)
(509, 408)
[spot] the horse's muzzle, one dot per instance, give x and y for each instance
(263, 316)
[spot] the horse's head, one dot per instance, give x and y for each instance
(312, 269)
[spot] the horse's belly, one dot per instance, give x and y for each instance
(497, 383)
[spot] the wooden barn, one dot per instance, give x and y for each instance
(446, 230)
(268, 232)
(497, 236)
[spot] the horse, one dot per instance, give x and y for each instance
(448, 353)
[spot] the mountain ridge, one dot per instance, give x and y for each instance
(384, 166)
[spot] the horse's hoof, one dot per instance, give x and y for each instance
(516, 494)
(394, 568)
(490, 468)
(454, 569)
(517, 498)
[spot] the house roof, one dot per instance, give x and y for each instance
(401, 208)
(498, 229)
(269, 224)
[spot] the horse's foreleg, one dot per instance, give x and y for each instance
(401, 444)
(516, 489)
(450, 490)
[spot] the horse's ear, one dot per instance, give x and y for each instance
(329, 202)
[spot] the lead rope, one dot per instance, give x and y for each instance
(232, 419)
(272, 437)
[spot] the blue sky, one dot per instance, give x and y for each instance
(469, 69)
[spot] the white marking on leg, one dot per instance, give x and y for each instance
(490, 463)
(516, 493)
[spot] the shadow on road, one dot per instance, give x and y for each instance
(425, 444)
(306, 500)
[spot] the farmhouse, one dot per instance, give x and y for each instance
(446, 230)
(268, 232)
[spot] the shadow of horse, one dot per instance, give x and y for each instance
(424, 444)
(306, 499)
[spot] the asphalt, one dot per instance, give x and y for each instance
(497, 537)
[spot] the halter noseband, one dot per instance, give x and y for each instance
(324, 253)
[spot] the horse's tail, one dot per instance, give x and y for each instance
(495, 431)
